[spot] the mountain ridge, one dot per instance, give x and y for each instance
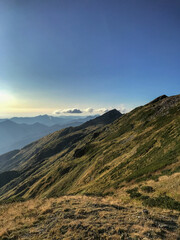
(136, 148)
(49, 120)
(15, 135)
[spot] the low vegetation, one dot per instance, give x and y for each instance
(80, 217)
(162, 201)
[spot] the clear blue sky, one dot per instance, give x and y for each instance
(59, 54)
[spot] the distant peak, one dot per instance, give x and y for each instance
(158, 98)
(104, 119)
(113, 111)
(7, 121)
(45, 115)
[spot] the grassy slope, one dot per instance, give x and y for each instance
(81, 217)
(137, 149)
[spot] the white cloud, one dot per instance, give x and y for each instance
(68, 111)
(89, 110)
(57, 112)
(123, 109)
(102, 110)
(74, 110)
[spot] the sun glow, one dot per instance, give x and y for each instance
(6, 99)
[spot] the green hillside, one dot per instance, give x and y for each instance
(136, 154)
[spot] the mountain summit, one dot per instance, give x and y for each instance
(104, 119)
(159, 98)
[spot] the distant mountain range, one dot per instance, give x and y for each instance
(15, 133)
(51, 120)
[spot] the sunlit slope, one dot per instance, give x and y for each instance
(138, 148)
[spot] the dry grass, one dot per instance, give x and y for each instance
(81, 217)
(168, 184)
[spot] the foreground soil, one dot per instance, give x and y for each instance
(79, 218)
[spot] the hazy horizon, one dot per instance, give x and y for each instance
(50, 115)
(84, 114)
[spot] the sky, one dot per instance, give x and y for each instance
(60, 56)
